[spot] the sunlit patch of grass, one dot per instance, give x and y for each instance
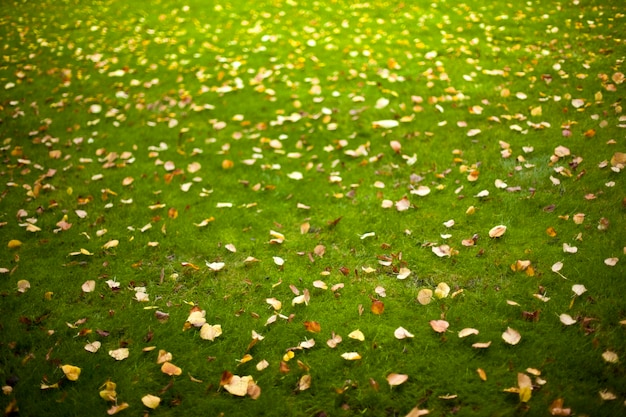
(107, 106)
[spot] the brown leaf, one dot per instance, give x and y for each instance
(225, 378)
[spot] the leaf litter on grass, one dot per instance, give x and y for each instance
(159, 144)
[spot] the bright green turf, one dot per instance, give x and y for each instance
(433, 61)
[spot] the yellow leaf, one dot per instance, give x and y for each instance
(525, 387)
(442, 290)
(151, 401)
(71, 372)
(357, 334)
(14, 244)
(481, 374)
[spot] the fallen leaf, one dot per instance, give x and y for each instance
(511, 336)
(71, 372)
(385, 124)
(467, 332)
(262, 365)
(151, 401)
(215, 266)
(569, 249)
(304, 383)
(89, 286)
(610, 356)
(396, 379)
(93, 347)
(351, 356)
(417, 412)
(442, 290)
(556, 408)
(117, 408)
(312, 326)
(170, 369)
(440, 326)
(357, 335)
(525, 387)
(111, 244)
(23, 286)
(497, 231)
(14, 244)
(276, 304)
(402, 333)
(579, 289)
(425, 296)
(566, 319)
(334, 340)
(210, 332)
(377, 307)
(239, 385)
(163, 357)
(481, 374)
(119, 354)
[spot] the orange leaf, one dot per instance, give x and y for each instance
(481, 374)
(312, 326)
(378, 307)
(551, 232)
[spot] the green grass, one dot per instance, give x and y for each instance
(214, 82)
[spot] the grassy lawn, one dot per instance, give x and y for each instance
(312, 208)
